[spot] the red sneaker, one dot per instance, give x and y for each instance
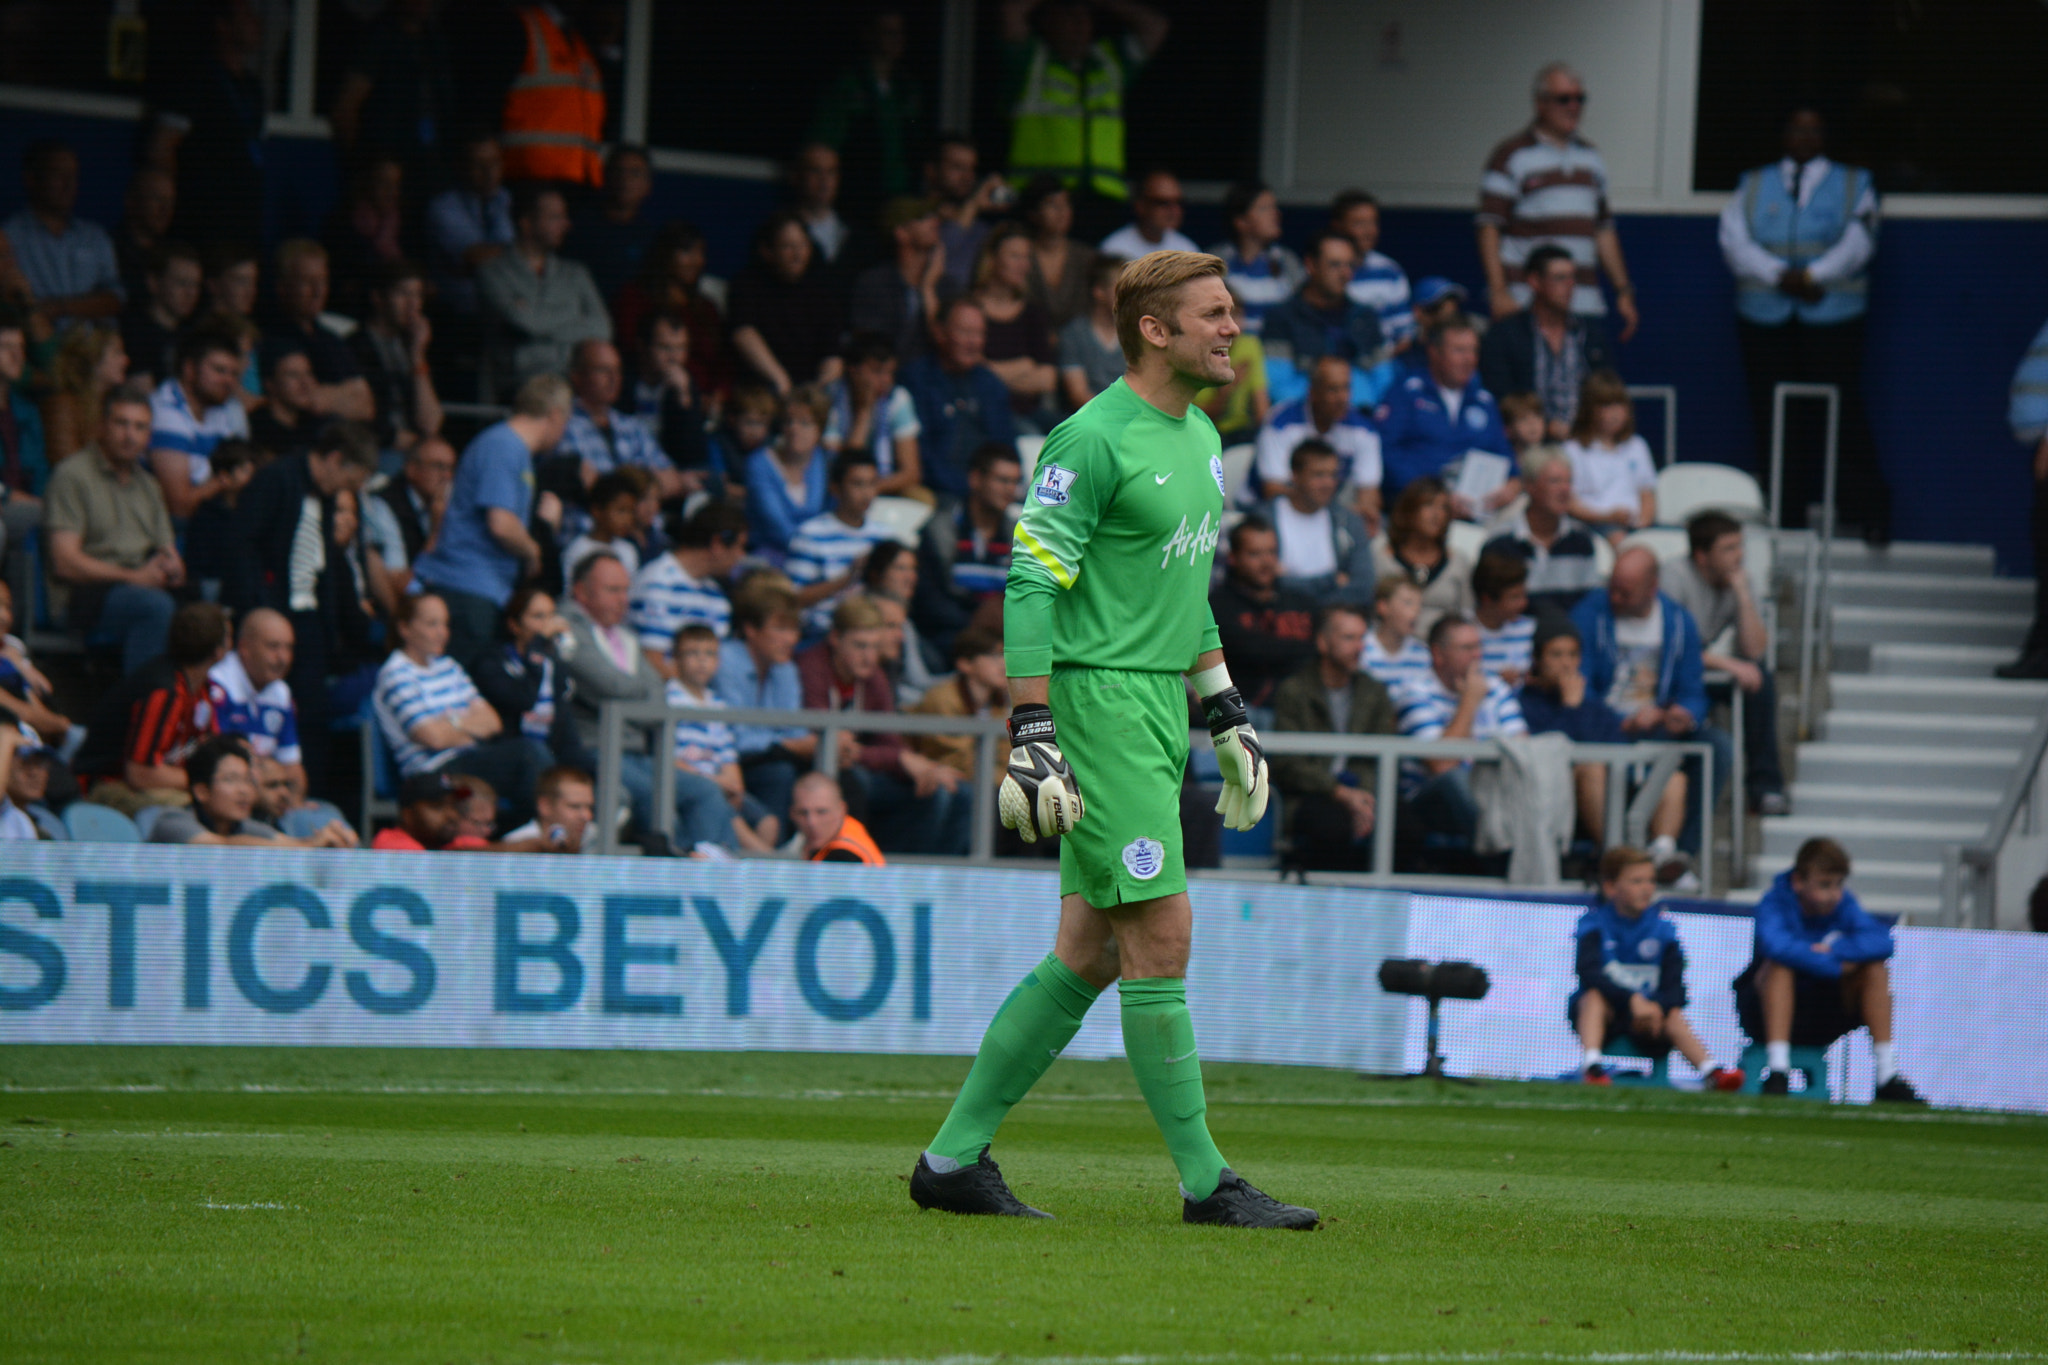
(1596, 1074)
(1724, 1078)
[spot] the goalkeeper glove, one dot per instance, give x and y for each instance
(1039, 795)
(1238, 753)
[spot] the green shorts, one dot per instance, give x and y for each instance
(1126, 735)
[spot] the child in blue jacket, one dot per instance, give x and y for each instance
(1632, 974)
(1818, 971)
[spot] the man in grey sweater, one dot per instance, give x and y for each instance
(537, 304)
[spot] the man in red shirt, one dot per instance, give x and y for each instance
(151, 721)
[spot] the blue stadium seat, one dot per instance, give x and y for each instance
(1810, 1062)
(1659, 1073)
(95, 824)
(48, 825)
(146, 818)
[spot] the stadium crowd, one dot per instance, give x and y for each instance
(251, 483)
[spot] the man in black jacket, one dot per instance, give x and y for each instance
(1267, 630)
(287, 560)
(963, 554)
(1546, 349)
(1330, 803)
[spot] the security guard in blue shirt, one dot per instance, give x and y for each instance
(1432, 416)
(1798, 236)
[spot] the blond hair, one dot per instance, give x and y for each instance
(1151, 287)
(856, 613)
(543, 395)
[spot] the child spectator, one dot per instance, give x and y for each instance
(615, 500)
(704, 749)
(1416, 545)
(1556, 699)
(749, 425)
(1522, 415)
(1500, 603)
(24, 691)
(1393, 653)
(828, 551)
(786, 482)
(1819, 971)
(1632, 975)
(1614, 481)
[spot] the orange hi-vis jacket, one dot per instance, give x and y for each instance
(554, 110)
(853, 837)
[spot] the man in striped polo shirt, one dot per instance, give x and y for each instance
(192, 413)
(1456, 699)
(686, 586)
(1379, 282)
(1548, 184)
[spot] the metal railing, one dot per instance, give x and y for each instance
(1969, 872)
(615, 716)
(1816, 633)
(1667, 395)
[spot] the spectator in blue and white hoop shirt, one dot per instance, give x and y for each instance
(70, 264)
(602, 436)
(1324, 414)
(1156, 212)
(827, 551)
(686, 586)
(250, 695)
(1456, 699)
(1261, 271)
(1379, 282)
(1500, 603)
(1432, 417)
(1319, 319)
(191, 413)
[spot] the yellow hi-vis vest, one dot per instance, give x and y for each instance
(1070, 123)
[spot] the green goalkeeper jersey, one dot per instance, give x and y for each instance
(1110, 562)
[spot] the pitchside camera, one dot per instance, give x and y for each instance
(1435, 982)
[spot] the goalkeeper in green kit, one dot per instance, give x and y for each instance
(1107, 608)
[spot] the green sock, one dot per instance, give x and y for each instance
(1038, 1020)
(1159, 1038)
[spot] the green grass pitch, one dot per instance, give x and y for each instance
(394, 1206)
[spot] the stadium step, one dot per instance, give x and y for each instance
(1903, 840)
(1899, 659)
(1830, 800)
(1903, 557)
(1891, 765)
(1944, 592)
(1925, 729)
(1872, 626)
(1938, 696)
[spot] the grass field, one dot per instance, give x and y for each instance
(341, 1205)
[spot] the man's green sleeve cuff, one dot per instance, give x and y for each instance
(1027, 623)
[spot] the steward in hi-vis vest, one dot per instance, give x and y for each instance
(554, 109)
(1067, 118)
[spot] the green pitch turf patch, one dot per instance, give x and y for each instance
(396, 1205)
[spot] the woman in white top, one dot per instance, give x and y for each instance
(1614, 481)
(432, 717)
(1416, 545)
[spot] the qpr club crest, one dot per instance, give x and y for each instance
(1052, 485)
(1650, 947)
(1145, 858)
(1475, 417)
(1216, 473)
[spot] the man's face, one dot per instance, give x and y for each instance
(817, 177)
(1819, 894)
(628, 180)
(274, 794)
(1332, 267)
(988, 672)
(1806, 136)
(995, 489)
(28, 779)
(572, 808)
(336, 478)
(1329, 392)
(1361, 223)
(177, 289)
(857, 492)
(399, 306)
(1560, 104)
(1633, 891)
(1512, 603)
(774, 641)
(302, 288)
(291, 380)
(1158, 207)
(874, 378)
(430, 469)
(818, 811)
(1208, 324)
(856, 654)
(54, 188)
(1261, 220)
(668, 347)
(1255, 559)
(124, 433)
(597, 375)
(266, 650)
(548, 223)
(1555, 284)
(152, 202)
(920, 234)
(234, 289)
(1551, 490)
(476, 818)
(1722, 564)
(229, 798)
(1632, 587)
(1455, 359)
(212, 378)
(485, 169)
(432, 822)
(964, 338)
(604, 593)
(1457, 655)
(1317, 481)
(953, 172)
(1341, 639)
(13, 355)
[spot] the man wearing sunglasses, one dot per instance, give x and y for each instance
(1546, 184)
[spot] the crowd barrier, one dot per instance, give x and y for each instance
(196, 946)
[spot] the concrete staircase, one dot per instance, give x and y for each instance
(1917, 740)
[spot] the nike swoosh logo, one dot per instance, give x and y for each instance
(1183, 1057)
(1053, 1053)
(1161, 478)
